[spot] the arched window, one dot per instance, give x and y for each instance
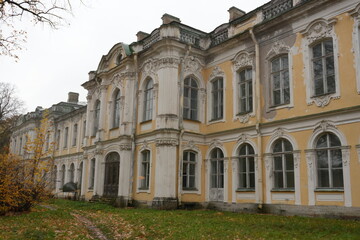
(283, 161)
(66, 136)
(329, 162)
(217, 168)
(116, 110)
(148, 100)
(280, 80)
(245, 91)
(217, 93)
(190, 99)
(112, 168)
(323, 67)
(189, 170)
(246, 167)
(145, 170)
(96, 117)
(71, 173)
(92, 174)
(62, 180)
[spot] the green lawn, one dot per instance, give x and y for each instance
(115, 223)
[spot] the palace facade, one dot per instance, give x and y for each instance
(261, 114)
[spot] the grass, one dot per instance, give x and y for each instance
(115, 223)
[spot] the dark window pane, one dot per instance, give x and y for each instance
(318, 68)
(328, 47)
(287, 145)
(277, 97)
(334, 141)
(278, 163)
(323, 178)
(242, 180)
(289, 162)
(322, 142)
(275, 64)
(252, 180)
(331, 84)
(319, 86)
(276, 80)
(277, 146)
(317, 52)
(336, 158)
(330, 66)
(242, 165)
(322, 159)
(290, 183)
(251, 164)
(337, 175)
(278, 180)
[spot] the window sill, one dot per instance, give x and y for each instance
(329, 190)
(245, 190)
(114, 128)
(143, 189)
(213, 121)
(190, 189)
(145, 121)
(322, 95)
(244, 113)
(283, 190)
(192, 120)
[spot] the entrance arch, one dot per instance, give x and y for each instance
(111, 180)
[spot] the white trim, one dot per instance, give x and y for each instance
(278, 49)
(198, 167)
(145, 147)
(216, 73)
(317, 31)
(356, 43)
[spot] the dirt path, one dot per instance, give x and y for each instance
(94, 231)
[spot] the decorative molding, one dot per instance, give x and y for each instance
(202, 93)
(278, 133)
(167, 142)
(215, 143)
(324, 126)
(168, 62)
(144, 146)
(190, 145)
(217, 72)
(296, 155)
(99, 151)
(277, 48)
(191, 65)
(245, 117)
(319, 29)
(125, 147)
(243, 59)
(268, 159)
(322, 101)
(148, 67)
(310, 154)
(345, 152)
(243, 138)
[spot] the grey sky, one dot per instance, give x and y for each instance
(58, 61)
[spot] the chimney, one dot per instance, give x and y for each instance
(73, 97)
(235, 13)
(167, 18)
(141, 35)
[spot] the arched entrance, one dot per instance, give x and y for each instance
(111, 180)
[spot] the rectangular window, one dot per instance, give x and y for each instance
(217, 94)
(75, 132)
(323, 68)
(189, 166)
(145, 170)
(57, 139)
(190, 99)
(66, 136)
(92, 174)
(245, 91)
(280, 80)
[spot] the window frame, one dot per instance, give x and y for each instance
(281, 71)
(116, 109)
(96, 117)
(75, 134)
(283, 153)
(190, 89)
(148, 100)
(186, 172)
(145, 169)
(217, 92)
(72, 172)
(217, 156)
(247, 157)
(323, 59)
(328, 150)
(66, 136)
(248, 83)
(92, 173)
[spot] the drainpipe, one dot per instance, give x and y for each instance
(133, 130)
(258, 117)
(181, 125)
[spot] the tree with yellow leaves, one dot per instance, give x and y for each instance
(27, 180)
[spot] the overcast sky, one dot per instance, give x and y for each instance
(56, 62)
